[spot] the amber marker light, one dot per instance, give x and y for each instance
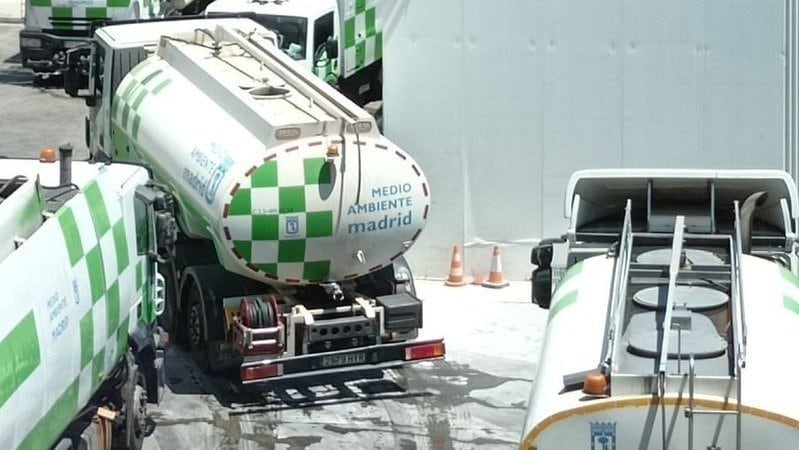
(47, 154)
(595, 384)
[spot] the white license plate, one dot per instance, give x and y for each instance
(343, 360)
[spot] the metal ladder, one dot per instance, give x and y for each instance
(739, 347)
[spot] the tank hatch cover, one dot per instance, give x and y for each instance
(692, 255)
(694, 298)
(699, 337)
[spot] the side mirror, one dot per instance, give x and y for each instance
(541, 256)
(542, 287)
(76, 65)
(331, 47)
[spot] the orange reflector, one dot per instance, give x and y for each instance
(424, 351)
(261, 372)
(595, 384)
(47, 154)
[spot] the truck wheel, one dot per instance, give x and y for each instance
(134, 423)
(195, 328)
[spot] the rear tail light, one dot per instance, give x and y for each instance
(424, 351)
(255, 373)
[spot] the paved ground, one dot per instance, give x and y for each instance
(476, 398)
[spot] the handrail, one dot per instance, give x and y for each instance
(739, 316)
(674, 268)
(618, 287)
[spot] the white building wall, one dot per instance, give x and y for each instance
(501, 101)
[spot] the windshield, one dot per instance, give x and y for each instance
(291, 31)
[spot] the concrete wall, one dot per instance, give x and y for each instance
(11, 10)
(501, 101)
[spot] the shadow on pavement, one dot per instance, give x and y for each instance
(184, 377)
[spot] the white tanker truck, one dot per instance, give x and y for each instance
(80, 352)
(294, 211)
(675, 322)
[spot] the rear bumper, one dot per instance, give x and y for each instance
(45, 52)
(360, 358)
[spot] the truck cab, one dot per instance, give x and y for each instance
(341, 42)
(53, 28)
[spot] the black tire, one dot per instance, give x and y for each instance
(196, 327)
(131, 432)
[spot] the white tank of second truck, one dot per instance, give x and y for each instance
(327, 207)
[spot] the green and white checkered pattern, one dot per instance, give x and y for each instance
(363, 36)
(101, 254)
(61, 350)
(278, 241)
(71, 16)
(143, 80)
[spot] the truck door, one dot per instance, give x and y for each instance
(325, 66)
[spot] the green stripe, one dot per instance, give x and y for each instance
(125, 114)
(94, 263)
(790, 304)
(122, 335)
(54, 422)
(94, 197)
(371, 27)
(69, 228)
(360, 53)
(86, 338)
(96, 13)
(379, 46)
(571, 273)
(150, 77)
(789, 276)
(565, 301)
(139, 98)
(136, 124)
(128, 89)
(121, 246)
(112, 308)
(161, 86)
(349, 32)
(19, 357)
(118, 3)
(46, 3)
(360, 6)
(139, 276)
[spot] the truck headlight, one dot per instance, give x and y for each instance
(30, 42)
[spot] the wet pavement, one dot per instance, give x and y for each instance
(475, 398)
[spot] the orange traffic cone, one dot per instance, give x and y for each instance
(456, 277)
(495, 277)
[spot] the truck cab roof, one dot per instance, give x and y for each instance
(129, 35)
(296, 8)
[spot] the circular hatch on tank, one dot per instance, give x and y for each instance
(694, 298)
(693, 255)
